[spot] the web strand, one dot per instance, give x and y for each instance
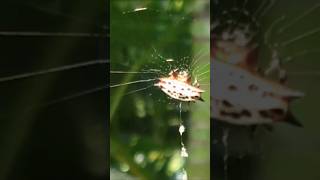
(52, 70)
(137, 90)
(133, 82)
(53, 34)
(133, 72)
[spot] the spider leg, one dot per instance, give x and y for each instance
(276, 66)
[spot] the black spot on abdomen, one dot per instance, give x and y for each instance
(236, 115)
(253, 87)
(233, 87)
(231, 114)
(246, 113)
(277, 111)
(227, 103)
(265, 114)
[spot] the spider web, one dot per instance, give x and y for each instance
(162, 43)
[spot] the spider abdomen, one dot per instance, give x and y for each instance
(244, 98)
(179, 90)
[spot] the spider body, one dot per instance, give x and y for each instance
(240, 94)
(178, 86)
(242, 97)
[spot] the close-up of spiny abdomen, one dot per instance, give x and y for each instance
(262, 69)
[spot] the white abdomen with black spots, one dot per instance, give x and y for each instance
(179, 90)
(245, 98)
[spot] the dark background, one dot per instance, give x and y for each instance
(66, 140)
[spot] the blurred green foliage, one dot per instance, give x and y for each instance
(144, 137)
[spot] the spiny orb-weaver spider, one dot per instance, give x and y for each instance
(178, 86)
